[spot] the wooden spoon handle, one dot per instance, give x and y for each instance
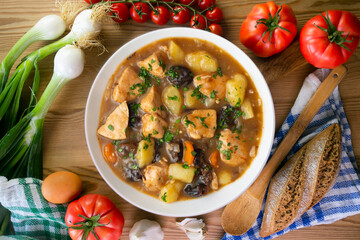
(307, 114)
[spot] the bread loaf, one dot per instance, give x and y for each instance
(303, 181)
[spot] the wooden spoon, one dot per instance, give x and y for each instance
(239, 216)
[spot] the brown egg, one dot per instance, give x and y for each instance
(61, 187)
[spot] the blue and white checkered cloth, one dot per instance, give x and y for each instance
(343, 199)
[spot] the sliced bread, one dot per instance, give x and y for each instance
(303, 181)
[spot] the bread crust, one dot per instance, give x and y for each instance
(319, 163)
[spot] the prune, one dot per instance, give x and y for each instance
(195, 190)
(175, 151)
(134, 116)
(227, 116)
(132, 171)
(126, 150)
(179, 76)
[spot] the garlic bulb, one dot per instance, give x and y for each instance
(146, 230)
(194, 228)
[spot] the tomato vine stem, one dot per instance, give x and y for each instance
(271, 23)
(333, 34)
(170, 5)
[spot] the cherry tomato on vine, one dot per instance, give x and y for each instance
(329, 39)
(204, 4)
(187, 2)
(214, 15)
(180, 15)
(120, 12)
(216, 29)
(197, 21)
(140, 12)
(160, 15)
(92, 1)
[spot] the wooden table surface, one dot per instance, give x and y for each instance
(64, 139)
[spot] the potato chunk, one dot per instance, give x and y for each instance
(201, 123)
(173, 100)
(145, 152)
(247, 109)
(155, 175)
(171, 191)
(235, 90)
(181, 172)
(210, 86)
(224, 177)
(233, 151)
(153, 124)
(190, 101)
(200, 62)
(151, 103)
(128, 79)
(176, 53)
(154, 65)
(116, 123)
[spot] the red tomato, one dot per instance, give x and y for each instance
(216, 28)
(197, 21)
(94, 216)
(180, 15)
(92, 1)
(329, 39)
(215, 15)
(268, 29)
(120, 12)
(187, 2)
(160, 15)
(204, 4)
(141, 12)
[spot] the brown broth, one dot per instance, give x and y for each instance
(251, 128)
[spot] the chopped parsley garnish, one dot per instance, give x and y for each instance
(162, 65)
(219, 72)
(155, 132)
(171, 73)
(186, 88)
(227, 153)
(111, 127)
(134, 167)
(120, 150)
(238, 103)
(237, 130)
(174, 98)
(196, 171)
(185, 165)
(150, 66)
(146, 138)
(142, 87)
(152, 118)
(131, 155)
(168, 136)
(220, 145)
(178, 120)
(162, 108)
(188, 122)
(163, 197)
(183, 107)
(193, 153)
(212, 95)
(170, 177)
(146, 146)
(196, 93)
(154, 109)
(135, 107)
(125, 130)
(202, 121)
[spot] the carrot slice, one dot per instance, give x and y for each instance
(109, 152)
(189, 154)
(214, 159)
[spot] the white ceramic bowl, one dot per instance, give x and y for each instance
(196, 206)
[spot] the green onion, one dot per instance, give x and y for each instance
(83, 29)
(21, 147)
(47, 28)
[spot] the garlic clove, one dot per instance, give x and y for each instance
(146, 230)
(194, 228)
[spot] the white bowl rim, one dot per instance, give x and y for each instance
(206, 203)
